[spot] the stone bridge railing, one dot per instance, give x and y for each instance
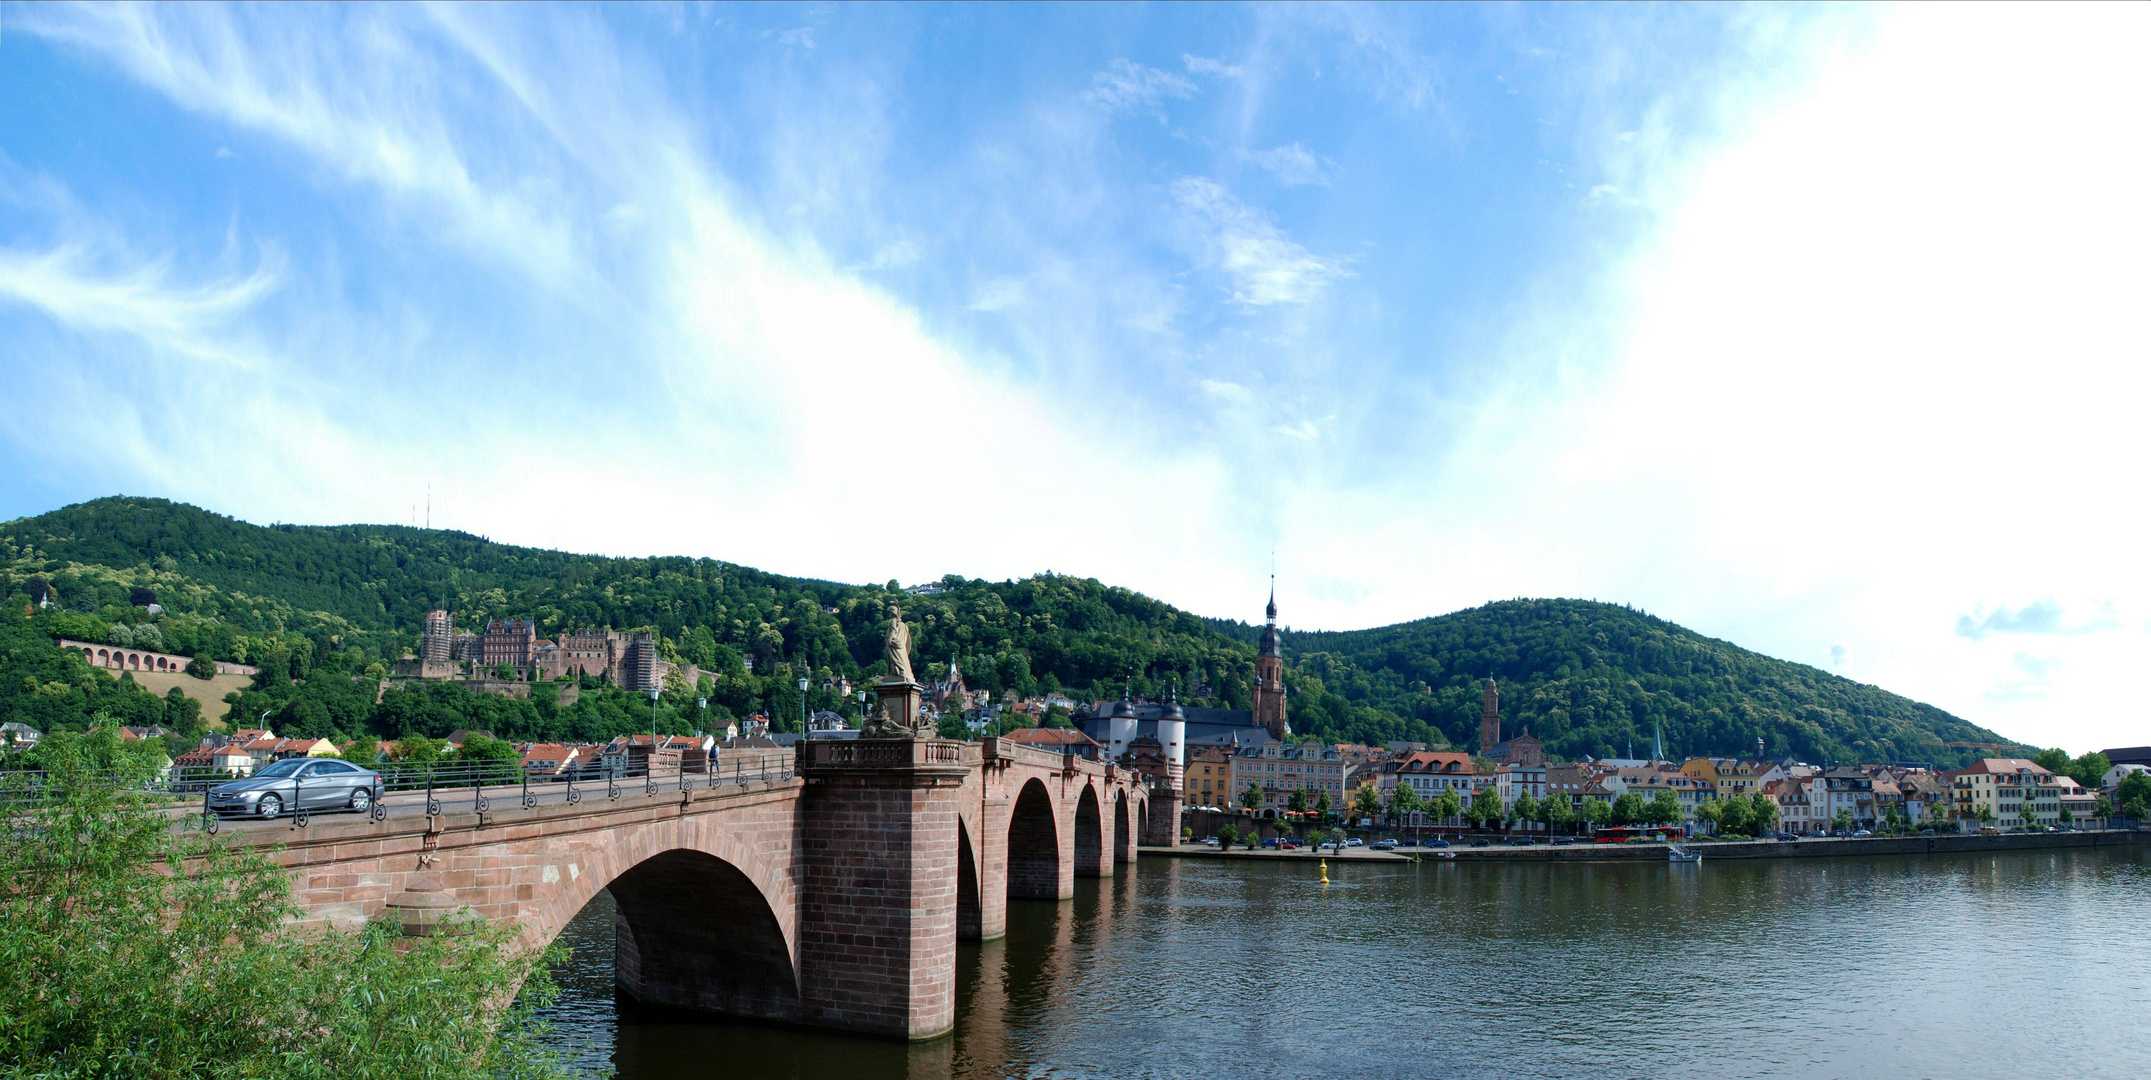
(889, 754)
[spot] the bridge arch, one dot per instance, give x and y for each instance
(1089, 833)
(700, 921)
(970, 917)
(1034, 845)
(1123, 846)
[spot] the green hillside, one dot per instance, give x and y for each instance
(324, 609)
(1598, 679)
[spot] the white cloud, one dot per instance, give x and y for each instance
(998, 294)
(1878, 364)
(365, 101)
(2038, 617)
(892, 255)
(1293, 165)
(1266, 266)
(1231, 393)
(724, 389)
(1125, 86)
(1203, 65)
(116, 292)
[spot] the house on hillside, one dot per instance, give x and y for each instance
(1058, 740)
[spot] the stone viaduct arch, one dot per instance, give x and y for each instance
(833, 898)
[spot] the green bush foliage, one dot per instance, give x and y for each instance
(133, 948)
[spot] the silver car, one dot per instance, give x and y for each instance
(298, 783)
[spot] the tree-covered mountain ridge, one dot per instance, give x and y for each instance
(1584, 677)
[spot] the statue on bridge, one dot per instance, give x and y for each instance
(898, 650)
(896, 713)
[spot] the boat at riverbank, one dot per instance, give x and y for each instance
(1679, 854)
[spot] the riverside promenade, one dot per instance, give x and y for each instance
(1712, 849)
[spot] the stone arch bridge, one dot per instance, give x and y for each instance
(834, 898)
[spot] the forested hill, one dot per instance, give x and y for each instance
(322, 606)
(1594, 678)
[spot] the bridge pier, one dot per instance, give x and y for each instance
(1162, 823)
(879, 862)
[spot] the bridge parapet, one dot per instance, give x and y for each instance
(886, 754)
(1001, 752)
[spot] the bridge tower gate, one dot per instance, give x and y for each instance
(1161, 819)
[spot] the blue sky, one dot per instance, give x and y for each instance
(1815, 328)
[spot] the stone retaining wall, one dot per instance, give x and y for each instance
(1751, 849)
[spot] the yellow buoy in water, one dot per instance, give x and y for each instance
(1325, 871)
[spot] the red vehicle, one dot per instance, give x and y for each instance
(1621, 834)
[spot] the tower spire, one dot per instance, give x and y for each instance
(1270, 674)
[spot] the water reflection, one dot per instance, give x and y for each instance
(1207, 969)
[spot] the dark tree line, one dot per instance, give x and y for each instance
(326, 610)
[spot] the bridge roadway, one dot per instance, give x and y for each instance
(832, 897)
(496, 798)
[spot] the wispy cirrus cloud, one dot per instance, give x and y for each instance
(1125, 86)
(1293, 165)
(369, 99)
(1205, 65)
(1265, 266)
(115, 292)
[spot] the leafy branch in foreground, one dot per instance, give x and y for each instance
(132, 948)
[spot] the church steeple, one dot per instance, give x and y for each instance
(1270, 674)
(1489, 717)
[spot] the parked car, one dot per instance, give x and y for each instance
(1521, 841)
(298, 783)
(1481, 842)
(1353, 842)
(1271, 842)
(1437, 842)
(1926, 832)
(1564, 841)
(1383, 845)
(1862, 832)
(1288, 845)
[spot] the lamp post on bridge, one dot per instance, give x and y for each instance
(802, 708)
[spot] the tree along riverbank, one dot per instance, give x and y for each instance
(1730, 849)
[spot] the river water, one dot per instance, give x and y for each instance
(2024, 963)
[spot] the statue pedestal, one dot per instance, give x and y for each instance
(899, 700)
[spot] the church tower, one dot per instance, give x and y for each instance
(1270, 676)
(1490, 719)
